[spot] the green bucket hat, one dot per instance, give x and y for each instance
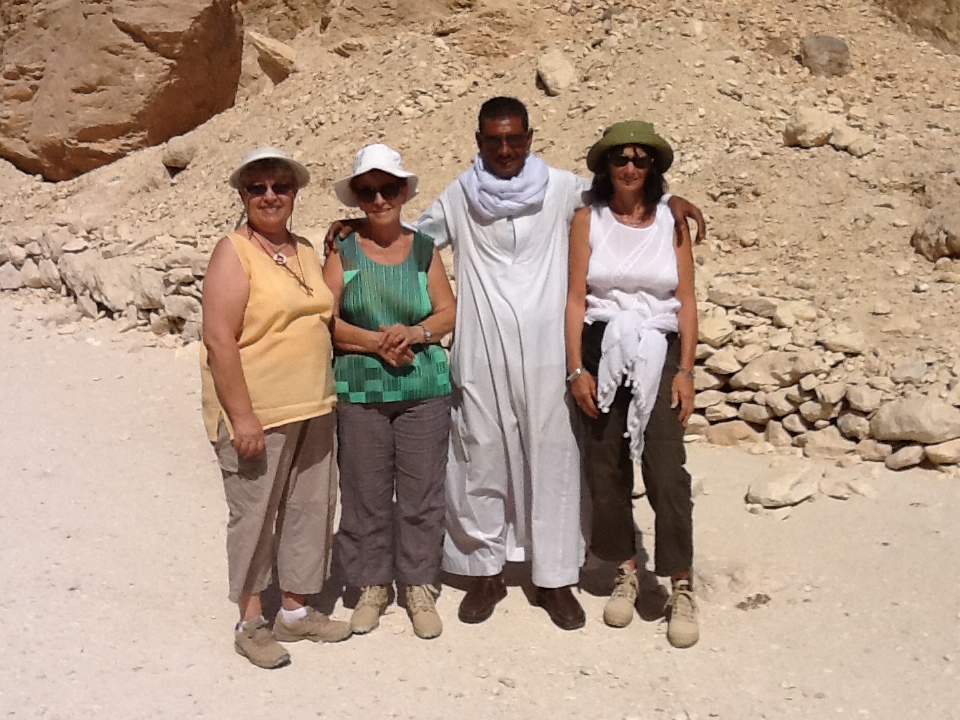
(631, 132)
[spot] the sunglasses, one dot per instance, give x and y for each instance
(260, 189)
(389, 191)
(640, 162)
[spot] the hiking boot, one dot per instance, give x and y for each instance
(257, 644)
(423, 611)
(315, 627)
(620, 607)
(683, 629)
(371, 605)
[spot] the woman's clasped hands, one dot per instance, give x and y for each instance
(395, 343)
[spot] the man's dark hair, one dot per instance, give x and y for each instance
(654, 186)
(501, 107)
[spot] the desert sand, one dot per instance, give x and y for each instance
(112, 538)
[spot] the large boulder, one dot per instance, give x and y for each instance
(86, 83)
(917, 419)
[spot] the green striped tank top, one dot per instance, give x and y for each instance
(376, 295)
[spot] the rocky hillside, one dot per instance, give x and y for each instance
(828, 172)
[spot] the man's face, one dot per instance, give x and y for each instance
(504, 145)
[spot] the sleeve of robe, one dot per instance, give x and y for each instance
(433, 222)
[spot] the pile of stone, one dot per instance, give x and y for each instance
(781, 372)
(108, 277)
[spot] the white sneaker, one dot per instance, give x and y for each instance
(620, 607)
(683, 628)
(422, 610)
(370, 606)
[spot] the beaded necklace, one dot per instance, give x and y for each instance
(282, 260)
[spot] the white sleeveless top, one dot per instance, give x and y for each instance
(632, 281)
(631, 268)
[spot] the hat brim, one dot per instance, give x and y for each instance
(348, 197)
(663, 153)
(300, 172)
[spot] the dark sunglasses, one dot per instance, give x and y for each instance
(389, 191)
(640, 162)
(260, 189)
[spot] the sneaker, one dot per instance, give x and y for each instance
(371, 605)
(683, 629)
(316, 627)
(257, 644)
(620, 607)
(423, 611)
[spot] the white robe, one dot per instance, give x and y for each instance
(513, 472)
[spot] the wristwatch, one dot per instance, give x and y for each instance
(427, 335)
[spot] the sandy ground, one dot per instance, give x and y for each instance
(111, 539)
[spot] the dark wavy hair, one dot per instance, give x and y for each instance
(602, 188)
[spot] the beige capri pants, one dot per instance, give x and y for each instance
(285, 498)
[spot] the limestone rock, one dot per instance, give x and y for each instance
(723, 362)
(947, 453)
(708, 398)
(755, 414)
(276, 59)
(873, 451)
(863, 398)
(825, 55)
(178, 153)
(809, 128)
(831, 393)
(842, 339)
(938, 235)
(87, 83)
(735, 432)
(853, 426)
(795, 424)
(841, 485)
(10, 278)
(30, 275)
(853, 141)
(916, 419)
(119, 283)
(555, 72)
(777, 369)
(779, 403)
(825, 444)
(715, 331)
(697, 425)
(181, 307)
(49, 275)
(905, 457)
(720, 412)
(776, 435)
(781, 487)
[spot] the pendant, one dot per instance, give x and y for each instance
(280, 259)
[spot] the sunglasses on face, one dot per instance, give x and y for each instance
(640, 162)
(389, 191)
(260, 189)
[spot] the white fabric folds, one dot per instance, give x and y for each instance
(633, 351)
(494, 198)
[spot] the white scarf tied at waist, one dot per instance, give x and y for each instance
(494, 198)
(633, 351)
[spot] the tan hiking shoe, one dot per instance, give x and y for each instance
(371, 605)
(316, 627)
(423, 611)
(683, 628)
(257, 644)
(620, 607)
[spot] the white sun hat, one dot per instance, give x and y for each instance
(300, 173)
(374, 157)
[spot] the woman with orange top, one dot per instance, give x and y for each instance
(268, 402)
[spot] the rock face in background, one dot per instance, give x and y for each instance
(937, 19)
(84, 84)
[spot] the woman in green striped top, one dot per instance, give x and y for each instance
(393, 303)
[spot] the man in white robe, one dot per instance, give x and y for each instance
(513, 472)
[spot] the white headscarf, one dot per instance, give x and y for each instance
(494, 198)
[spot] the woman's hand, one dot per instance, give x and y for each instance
(338, 230)
(248, 438)
(400, 336)
(682, 394)
(584, 391)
